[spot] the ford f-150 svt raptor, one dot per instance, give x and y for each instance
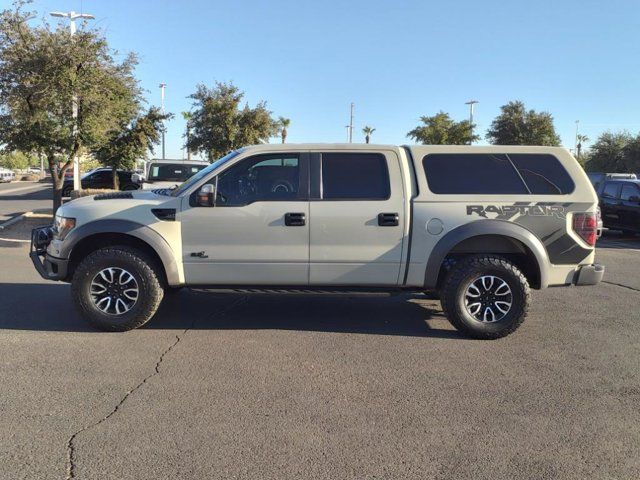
(479, 226)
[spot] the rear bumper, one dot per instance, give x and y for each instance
(589, 275)
(49, 268)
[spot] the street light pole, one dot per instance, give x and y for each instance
(162, 87)
(351, 124)
(471, 103)
(72, 16)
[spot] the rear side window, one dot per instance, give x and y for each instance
(610, 190)
(496, 174)
(355, 176)
(471, 173)
(543, 174)
(629, 192)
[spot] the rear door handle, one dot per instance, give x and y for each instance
(295, 219)
(388, 219)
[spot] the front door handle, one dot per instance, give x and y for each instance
(295, 219)
(388, 219)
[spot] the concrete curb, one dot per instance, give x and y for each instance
(14, 220)
(19, 218)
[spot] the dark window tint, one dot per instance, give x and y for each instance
(173, 172)
(355, 176)
(610, 190)
(543, 174)
(471, 173)
(629, 192)
(260, 178)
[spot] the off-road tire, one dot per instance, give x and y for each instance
(461, 275)
(145, 273)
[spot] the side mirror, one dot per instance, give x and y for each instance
(206, 195)
(137, 178)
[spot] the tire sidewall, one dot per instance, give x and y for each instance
(89, 268)
(515, 316)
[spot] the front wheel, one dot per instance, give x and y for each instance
(485, 297)
(117, 288)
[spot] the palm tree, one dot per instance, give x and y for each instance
(368, 131)
(284, 124)
(581, 139)
(187, 116)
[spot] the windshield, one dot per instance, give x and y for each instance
(172, 172)
(204, 172)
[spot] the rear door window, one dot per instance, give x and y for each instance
(611, 190)
(543, 174)
(472, 173)
(355, 176)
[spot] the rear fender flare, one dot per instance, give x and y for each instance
(485, 227)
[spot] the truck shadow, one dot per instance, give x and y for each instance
(47, 307)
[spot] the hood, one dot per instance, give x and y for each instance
(125, 205)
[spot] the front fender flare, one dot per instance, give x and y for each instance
(138, 230)
(485, 227)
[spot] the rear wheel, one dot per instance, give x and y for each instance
(117, 288)
(485, 297)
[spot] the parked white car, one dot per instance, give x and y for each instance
(7, 175)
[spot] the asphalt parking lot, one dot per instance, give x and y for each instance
(250, 386)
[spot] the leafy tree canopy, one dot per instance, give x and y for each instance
(131, 142)
(441, 129)
(41, 71)
(615, 152)
(517, 126)
(17, 160)
(219, 123)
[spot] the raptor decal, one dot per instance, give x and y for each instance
(507, 212)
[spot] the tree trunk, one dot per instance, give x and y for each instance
(58, 180)
(116, 183)
(188, 142)
(284, 135)
(367, 138)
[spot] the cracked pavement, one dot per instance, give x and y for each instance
(233, 386)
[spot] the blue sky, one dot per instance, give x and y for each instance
(397, 60)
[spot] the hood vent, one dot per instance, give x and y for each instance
(166, 214)
(113, 196)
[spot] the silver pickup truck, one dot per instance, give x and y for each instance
(478, 226)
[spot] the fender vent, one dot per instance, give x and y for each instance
(166, 214)
(113, 196)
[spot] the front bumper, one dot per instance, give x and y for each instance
(589, 275)
(49, 267)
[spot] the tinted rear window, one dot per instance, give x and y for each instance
(543, 174)
(355, 176)
(496, 174)
(472, 173)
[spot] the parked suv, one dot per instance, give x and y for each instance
(620, 205)
(100, 178)
(334, 218)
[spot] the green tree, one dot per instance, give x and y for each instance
(283, 125)
(517, 126)
(631, 156)
(41, 70)
(128, 143)
(15, 160)
(441, 129)
(220, 125)
(368, 131)
(187, 117)
(582, 139)
(608, 153)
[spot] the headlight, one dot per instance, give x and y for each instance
(62, 226)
